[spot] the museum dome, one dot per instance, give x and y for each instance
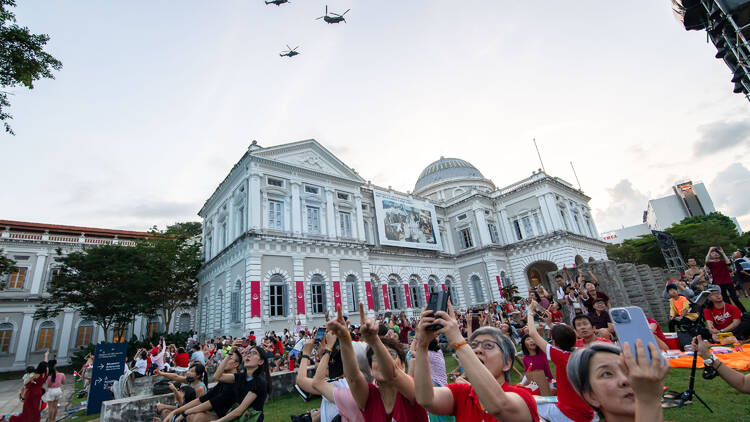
(446, 169)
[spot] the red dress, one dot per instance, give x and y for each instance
(32, 402)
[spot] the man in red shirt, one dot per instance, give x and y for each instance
(717, 262)
(585, 331)
(722, 317)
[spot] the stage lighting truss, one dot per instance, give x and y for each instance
(728, 28)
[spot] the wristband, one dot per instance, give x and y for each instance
(304, 356)
(456, 346)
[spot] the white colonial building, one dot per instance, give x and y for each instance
(33, 246)
(292, 230)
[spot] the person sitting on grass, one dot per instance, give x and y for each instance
(586, 332)
(737, 380)
(600, 319)
(196, 378)
(221, 397)
(393, 397)
(570, 406)
(722, 317)
(679, 307)
(486, 361)
(620, 386)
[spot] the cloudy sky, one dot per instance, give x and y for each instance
(158, 99)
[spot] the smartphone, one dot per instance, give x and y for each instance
(319, 335)
(630, 325)
(438, 302)
(474, 321)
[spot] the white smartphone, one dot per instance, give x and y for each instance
(630, 325)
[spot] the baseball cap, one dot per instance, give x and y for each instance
(713, 288)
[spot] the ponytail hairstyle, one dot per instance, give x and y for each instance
(52, 367)
(200, 372)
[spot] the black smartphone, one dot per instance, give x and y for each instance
(319, 335)
(474, 321)
(438, 302)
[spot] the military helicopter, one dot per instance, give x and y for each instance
(276, 2)
(335, 18)
(290, 52)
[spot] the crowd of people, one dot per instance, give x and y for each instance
(393, 368)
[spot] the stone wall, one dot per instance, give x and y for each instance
(629, 285)
(129, 409)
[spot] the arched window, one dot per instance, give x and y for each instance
(152, 326)
(83, 338)
(476, 282)
(46, 335)
(277, 296)
(6, 333)
(416, 291)
(236, 303)
(352, 294)
(393, 293)
(119, 332)
(183, 323)
(220, 309)
(432, 285)
(318, 294)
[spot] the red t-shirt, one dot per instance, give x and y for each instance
(403, 334)
(658, 332)
(722, 317)
(556, 317)
(720, 272)
(568, 401)
(182, 360)
(580, 344)
(466, 406)
(278, 347)
(403, 410)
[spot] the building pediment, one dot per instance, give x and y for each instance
(310, 155)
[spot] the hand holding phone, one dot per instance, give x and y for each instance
(438, 302)
(320, 334)
(631, 325)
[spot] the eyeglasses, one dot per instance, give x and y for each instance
(484, 344)
(251, 352)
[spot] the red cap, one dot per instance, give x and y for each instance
(155, 351)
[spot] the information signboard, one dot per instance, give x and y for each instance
(109, 365)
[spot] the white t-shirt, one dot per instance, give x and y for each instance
(328, 410)
(299, 345)
(140, 366)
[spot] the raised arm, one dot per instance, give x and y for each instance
(303, 380)
(170, 376)
(533, 333)
(319, 383)
(357, 382)
(219, 375)
(436, 400)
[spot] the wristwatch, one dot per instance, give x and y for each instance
(709, 362)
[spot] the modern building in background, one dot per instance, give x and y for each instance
(33, 246)
(688, 199)
(292, 231)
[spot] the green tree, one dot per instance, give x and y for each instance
(105, 284)
(7, 266)
(173, 258)
(22, 58)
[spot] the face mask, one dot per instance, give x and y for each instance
(189, 379)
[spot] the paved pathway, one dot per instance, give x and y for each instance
(9, 402)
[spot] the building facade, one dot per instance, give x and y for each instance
(292, 231)
(33, 246)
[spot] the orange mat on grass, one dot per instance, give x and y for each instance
(736, 360)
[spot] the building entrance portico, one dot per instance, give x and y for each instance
(536, 273)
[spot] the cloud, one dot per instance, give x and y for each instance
(730, 190)
(721, 135)
(625, 208)
(162, 209)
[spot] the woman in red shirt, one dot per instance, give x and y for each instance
(33, 400)
(717, 262)
(486, 361)
(181, 358)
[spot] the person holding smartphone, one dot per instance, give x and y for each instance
(737, 380)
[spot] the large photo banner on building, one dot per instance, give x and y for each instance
(406, 222)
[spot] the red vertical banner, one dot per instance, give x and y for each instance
(254, 299)
(386, 302)
(426, 294)
(336, 294)
(368, 292)
(443, 285)
(300, 297)
(499, 284)
(407, 295)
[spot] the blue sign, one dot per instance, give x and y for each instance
(109, 365)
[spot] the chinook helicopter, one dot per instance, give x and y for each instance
(276, 2)
(290, 52)
(333, 17)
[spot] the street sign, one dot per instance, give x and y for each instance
(109, 365)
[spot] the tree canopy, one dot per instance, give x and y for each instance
(7, 266)
(693, 235)
(22, 58)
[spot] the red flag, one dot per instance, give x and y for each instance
(254, 299)
(336, 294)
(408, 296)
(386, 302)
(368, 291)
(426, 293)
(301, 297)
(499, 284)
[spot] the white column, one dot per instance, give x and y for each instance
(36, 284)
(484, 231)
(253, 202)
(24, 339)
(137, 326)
(493, 272)
(502, 229)
(506, 224)
(330, 214)
(363, 290)
(264, 211)
(449, 237)
(555, 212)
(296, 214)
(546, 210)
(65, 334)
(359, 217)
